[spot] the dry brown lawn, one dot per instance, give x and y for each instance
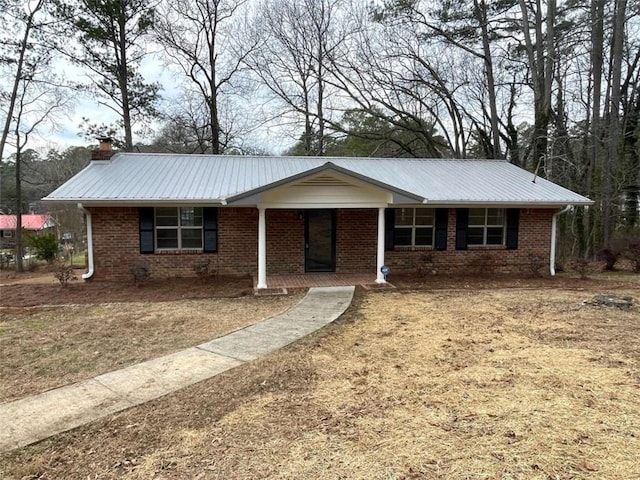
(455, 384)
(46, 347)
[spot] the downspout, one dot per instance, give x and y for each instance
(552, 254)
(89, 274)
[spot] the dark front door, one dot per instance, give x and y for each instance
(320, 241)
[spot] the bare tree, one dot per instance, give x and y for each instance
(205, 40)
(293, 61)
(21, 54)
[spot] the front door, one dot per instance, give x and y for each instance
(320, 241)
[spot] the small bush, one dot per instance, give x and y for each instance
(632, 253)
(202, 269)
(63, 273)
(536, 264)
(581, 265)
(610, 257)
(140, 272)
(45, 246)
(425, 267)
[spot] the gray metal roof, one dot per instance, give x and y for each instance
(145, 177)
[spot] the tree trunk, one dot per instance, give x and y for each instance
(613, 140)
(124, 83)
(481, 17)
(24, 44)
(18, 236)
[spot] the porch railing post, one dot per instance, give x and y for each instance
(380, 255)
(262, 249)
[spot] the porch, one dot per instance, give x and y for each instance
(307, 280)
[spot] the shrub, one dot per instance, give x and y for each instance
(425, 267)
(140, 272)
(632, 250)
(536, 264)
(202, 269)
(63, 273)
(581, 265)
(44, 245)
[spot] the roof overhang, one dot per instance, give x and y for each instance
(328, 167)
(134, 202)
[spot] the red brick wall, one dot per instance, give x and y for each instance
(356, 240)
(116, 245)
(534, 238)
(285, 242)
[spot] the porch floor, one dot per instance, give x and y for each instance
(307, 280)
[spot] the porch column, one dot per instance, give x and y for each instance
(262, 248)
(381, 235)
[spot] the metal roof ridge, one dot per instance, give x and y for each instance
(311, 157)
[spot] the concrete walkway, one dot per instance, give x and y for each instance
(34, 418)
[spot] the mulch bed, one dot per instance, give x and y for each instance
(94, 291)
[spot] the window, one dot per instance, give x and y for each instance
(413, 227)
(178, 228)
(7, 233)
(486, 226)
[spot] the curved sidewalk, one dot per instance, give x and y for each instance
(37, 417)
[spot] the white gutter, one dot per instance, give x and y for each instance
(552, 254)
(89, 274)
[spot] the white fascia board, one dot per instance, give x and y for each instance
(480, 203)
(305, 206)
(125, 202)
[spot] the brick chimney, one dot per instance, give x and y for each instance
(104, 151)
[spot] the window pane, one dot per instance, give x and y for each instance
(475, 236)
(495, 235)
(403, 236)
(476, 216)
(424, 237)
(404, 216)
(167, 217)
(167, 238)
(191, 217)
(495, 216)
(191, 237)
(424, 216)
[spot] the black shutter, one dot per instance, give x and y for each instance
(513, 221)
(145, 216)
(389, 225)
(462, 223)
(210, 229)
(442, 220)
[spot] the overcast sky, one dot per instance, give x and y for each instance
(270, 137)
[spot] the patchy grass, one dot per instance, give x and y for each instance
(45, 347)
(467, 384)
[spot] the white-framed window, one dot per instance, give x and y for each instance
(414, 227)
(178, 228)
(7, 233)
(486, 226)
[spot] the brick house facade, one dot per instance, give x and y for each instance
(296, 215)
(117, 245)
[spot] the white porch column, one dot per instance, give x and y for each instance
(381, 235)
(262, 248)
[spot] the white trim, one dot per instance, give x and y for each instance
(179, 228)
(486, 228)
(380, 253)
(262, 249)
(90, 267)
(413, 226)
(552, 252)
(322, 206)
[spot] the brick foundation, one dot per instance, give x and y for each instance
(117, 248)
